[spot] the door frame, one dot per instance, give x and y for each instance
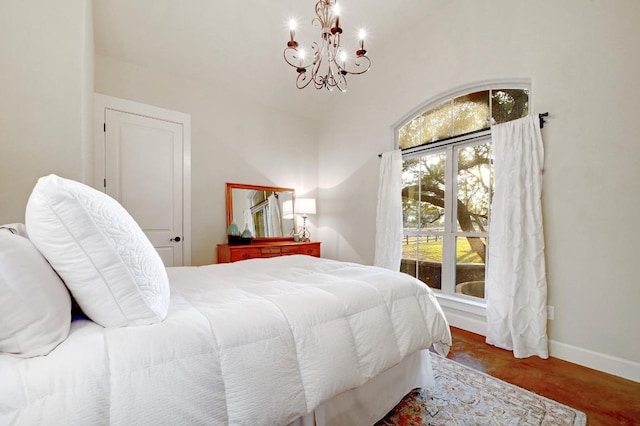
(101, 103)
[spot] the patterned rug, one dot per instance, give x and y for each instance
(464, 396)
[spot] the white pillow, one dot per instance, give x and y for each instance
(104, 258)
(35, 307)
(16, 228)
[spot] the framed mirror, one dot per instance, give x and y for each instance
(267, 211)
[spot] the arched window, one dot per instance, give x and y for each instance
(448, 184)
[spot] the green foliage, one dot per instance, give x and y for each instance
(423, 192)
(464, 114)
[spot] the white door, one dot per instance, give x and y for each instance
(144, 170)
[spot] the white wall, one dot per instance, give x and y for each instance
(233, 139)
(583, 60)
(46, 85)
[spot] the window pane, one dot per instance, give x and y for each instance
(423, 209)
(409, 134)
(422, 258)
(409, 255)
(509, 104)
(432, 191)
(423, 192)
(411, 194)
(470, 255)
(436, 123)
(475, 187)
(430, 260)
(471, 113)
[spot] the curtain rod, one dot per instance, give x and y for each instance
(541, 117)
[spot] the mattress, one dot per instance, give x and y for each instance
(264, 341)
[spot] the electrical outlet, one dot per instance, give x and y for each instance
(551, 313)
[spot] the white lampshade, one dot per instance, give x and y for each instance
(287, 209)
(305, 206)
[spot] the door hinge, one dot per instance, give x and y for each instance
(104, 127)
(104, 183)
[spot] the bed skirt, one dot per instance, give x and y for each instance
(372, 401)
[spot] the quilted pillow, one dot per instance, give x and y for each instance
(104, 258)
(16, 228)
(35, 307)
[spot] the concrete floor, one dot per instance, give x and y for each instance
(606, 399)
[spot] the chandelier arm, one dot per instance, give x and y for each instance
(302, 81)
(292, 57)
(318, 80)
(332, 73)
(360, 61)
(341, 82)
(322, 11)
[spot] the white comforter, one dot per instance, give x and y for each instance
(255, 342)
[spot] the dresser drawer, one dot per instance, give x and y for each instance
(291, 250)
(271, 251)
(245, 253)
(312, 249)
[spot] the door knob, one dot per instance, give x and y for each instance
(176, 239)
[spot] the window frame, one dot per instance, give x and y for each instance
(447, 295)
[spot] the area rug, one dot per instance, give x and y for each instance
(464, 396)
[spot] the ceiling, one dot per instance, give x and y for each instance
(238, 43)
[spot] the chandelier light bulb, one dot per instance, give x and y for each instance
(336, 25)
(292, 43)
(300, 68)
(361, 35)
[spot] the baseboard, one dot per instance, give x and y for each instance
(464, 322)
(598, 361)
(587, 358)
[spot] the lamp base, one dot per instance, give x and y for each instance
(305, 234)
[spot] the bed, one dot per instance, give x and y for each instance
(290, 340)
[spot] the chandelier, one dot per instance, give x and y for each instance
(330, 63)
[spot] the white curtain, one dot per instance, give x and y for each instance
(388, 250)
(275, 216)
(516, 276)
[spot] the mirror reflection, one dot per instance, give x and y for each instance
(267, 212)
